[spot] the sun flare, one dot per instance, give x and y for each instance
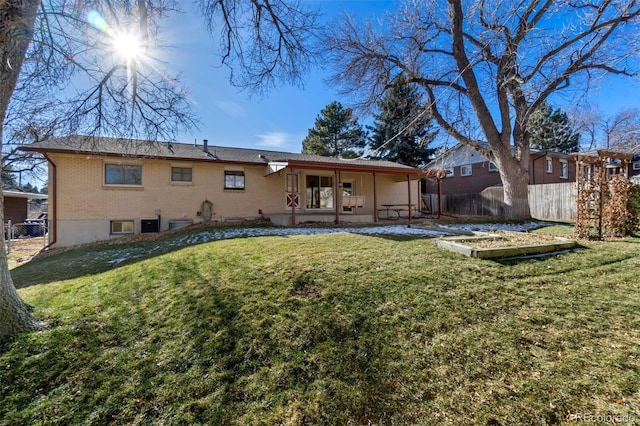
(128, 46)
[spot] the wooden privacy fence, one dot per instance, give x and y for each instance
(553, 201)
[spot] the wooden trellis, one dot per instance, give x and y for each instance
(602, 195)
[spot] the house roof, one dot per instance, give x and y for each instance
(462, 154)
(27, 195)
(134, 148)
(600, 155)
(456, 156)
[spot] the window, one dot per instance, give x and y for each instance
(549, 165)
(451, 171)
(564, 169)
(122, 174)
(319, 192)
(233, 179)
(636, 165)
(292, 183)
(492, 167)
(181, 174)
(466, 170)
(122, 227)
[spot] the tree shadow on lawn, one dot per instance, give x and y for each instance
(211, 352)
(283, 356)
(98, 258)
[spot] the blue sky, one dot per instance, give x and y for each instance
(280, 119)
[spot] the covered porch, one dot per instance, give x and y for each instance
(347, 192)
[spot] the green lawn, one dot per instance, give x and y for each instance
(326, 329)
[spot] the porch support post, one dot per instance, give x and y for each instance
(439, 197)
(375, 199)
(337, 194)
(409, 194)
(293, 195)
(420, 200)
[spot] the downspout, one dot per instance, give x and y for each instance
(53, 192)
(533, 166)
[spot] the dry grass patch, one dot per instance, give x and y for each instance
(510, 239)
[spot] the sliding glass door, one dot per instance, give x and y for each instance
(319, 194)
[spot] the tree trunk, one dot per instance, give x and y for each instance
(15, 315)
(515, 183)
(16, 30)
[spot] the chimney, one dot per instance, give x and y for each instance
(206, 145)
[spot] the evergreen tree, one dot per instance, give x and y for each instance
(550, 129)
(402, 131)
(8, 179)
(336, 133)
(30, 188)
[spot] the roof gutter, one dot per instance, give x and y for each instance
(53, 193)
(347, 167)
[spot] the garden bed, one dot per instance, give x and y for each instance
(504, 244)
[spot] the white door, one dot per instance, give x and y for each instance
(347, 189)
(292, 194)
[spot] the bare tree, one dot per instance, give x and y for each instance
(619, 132)
(263, 42)
(585, 120)
(622, 131)
(486, 66)
(61, 73)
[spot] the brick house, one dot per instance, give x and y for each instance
(471, 173)
(16, 207)
(634, 166)
(101, 188)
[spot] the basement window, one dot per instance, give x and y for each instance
(120, 227)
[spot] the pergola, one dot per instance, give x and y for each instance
(593, 171)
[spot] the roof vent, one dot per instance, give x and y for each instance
(262, 157)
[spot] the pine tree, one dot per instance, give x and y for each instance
(550, 130)
(402, 131)
(336, 133)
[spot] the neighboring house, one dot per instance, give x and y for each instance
(100, 188)
(471, 173)
(634, 166)
(16, 205)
